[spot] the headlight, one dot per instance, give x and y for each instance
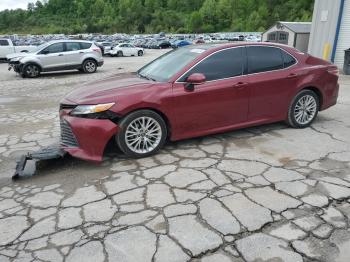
(16, 59)
(91, 109)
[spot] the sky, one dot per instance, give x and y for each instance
(13, 4)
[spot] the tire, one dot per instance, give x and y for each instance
(133, 140)
(303, 109)
(120, 54)
(31, 71)
(89, 66)
(140, 53)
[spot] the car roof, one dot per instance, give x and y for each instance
(219, 46)
(68, 40)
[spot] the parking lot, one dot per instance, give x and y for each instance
(268, 193)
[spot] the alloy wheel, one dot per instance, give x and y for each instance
(32, 71)
(143, 135)
(305, 109)
(90, 67)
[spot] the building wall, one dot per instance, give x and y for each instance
(302, 42)
(274, 28)
(324, 25)
(344, 36)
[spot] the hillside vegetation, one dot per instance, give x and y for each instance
(151, 16)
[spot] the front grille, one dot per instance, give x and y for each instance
(67, 137)
(67, 106)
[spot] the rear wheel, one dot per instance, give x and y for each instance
(140, 53)
(142, 133)
(31, 71)
(303, 109)
(89, 66)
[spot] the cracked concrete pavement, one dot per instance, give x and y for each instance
(268, 193)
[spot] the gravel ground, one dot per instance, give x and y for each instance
(267, 193)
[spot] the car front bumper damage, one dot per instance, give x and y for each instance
(85, 138)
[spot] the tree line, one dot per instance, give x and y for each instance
(152, 16)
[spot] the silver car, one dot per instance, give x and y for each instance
(57, 56)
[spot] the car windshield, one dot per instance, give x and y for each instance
(40, 47)
(166, 66)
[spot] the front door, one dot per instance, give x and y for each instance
(222, 101)
(53, 57)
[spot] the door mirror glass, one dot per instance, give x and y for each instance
(194, 79)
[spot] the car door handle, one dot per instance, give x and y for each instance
(81, 52)
(60, 55)
(240, 85)
(292, 75)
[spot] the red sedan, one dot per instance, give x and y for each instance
(197, 91)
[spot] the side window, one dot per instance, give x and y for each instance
(72, 46)
(224, 64)
(54, 48)
(288, 60)
(4, 42)
(263, 59)
(85, 45)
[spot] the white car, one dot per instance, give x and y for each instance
(7, 47)
(57, 56)
(126, 50)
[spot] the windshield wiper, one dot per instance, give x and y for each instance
(147, 77)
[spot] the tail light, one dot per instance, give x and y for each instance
(97, 50)
(333, 71)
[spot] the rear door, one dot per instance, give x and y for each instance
(271, 78)
(220, 102)
(53, 56)
(73, 54)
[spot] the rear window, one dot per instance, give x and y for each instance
(85, 45)
(72, 46)
(263, 59)
(4, 43)
(288, 60)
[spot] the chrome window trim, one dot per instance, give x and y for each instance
(297, 61)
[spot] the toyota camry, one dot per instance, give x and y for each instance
(195, 91)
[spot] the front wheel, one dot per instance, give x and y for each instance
(89, 66)
(142, 133)
(140, 53)
(31, 71)
(303, 109)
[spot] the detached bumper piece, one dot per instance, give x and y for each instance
(27, 165)
(15, 66)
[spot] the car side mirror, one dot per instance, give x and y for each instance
(193, 80)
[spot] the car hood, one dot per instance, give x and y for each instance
(17, 55)
(107, 90)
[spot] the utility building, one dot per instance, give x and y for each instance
(330, 30)
(295, 34)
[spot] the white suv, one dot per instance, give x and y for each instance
(57, 56)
